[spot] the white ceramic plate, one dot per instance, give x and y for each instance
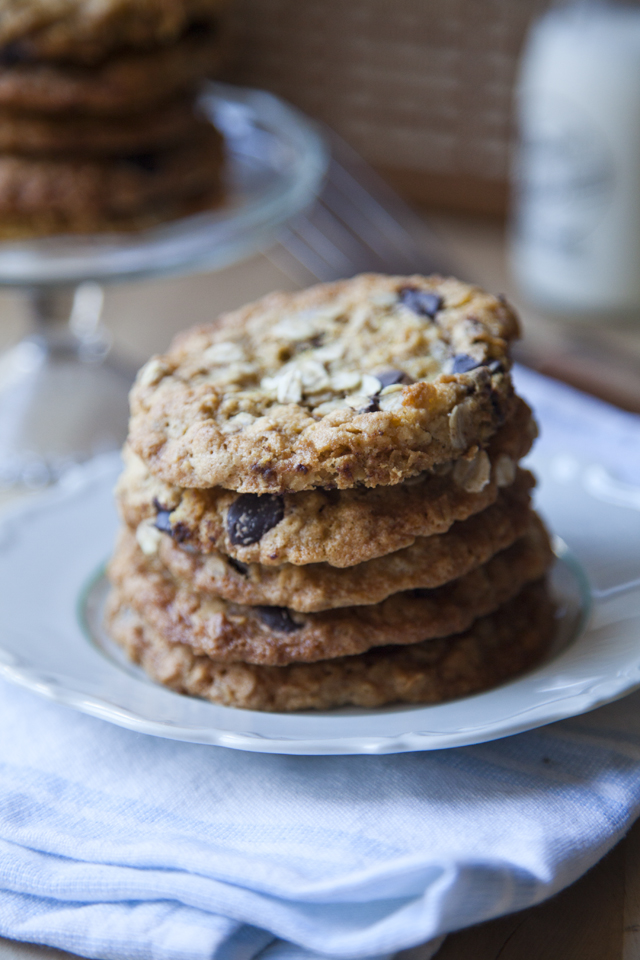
(52, 551)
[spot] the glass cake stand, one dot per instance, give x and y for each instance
(63, 396)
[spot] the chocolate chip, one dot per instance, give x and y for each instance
(162, 517)
(162, 521)
(388, 377)
(496, 366)
(302, 468)
(278, 618)
(462, 363)
(180, 532)
(240, 567)
(371, 407)
(422, 302)
(252, 515)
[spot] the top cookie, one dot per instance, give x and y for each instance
(89, 30)
(370, 380)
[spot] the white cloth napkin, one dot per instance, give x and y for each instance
(115, 844)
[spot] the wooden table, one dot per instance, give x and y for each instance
(598, 918)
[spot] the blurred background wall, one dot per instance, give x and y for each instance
(421, 88)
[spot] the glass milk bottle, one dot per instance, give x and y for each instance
(576, 239)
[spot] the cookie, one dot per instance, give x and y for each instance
(89, 30)
(127, 83)
(42, 196)
(428, 563)
(276, 635)
(86, 134)
(340, 527)
(370, 380)
(494, 649)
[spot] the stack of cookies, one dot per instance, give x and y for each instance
(322, 503)
(99, 127)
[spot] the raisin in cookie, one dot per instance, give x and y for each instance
(370, 380)
(124, 84)
(340, 527)
(41, 196)
(426, 564)
(494, 649)
(277, 635)
(89, 30)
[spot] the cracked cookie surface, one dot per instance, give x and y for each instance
(277, 635)
(370, 380)
(495, 648)
(340, 527)
(426, 564)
